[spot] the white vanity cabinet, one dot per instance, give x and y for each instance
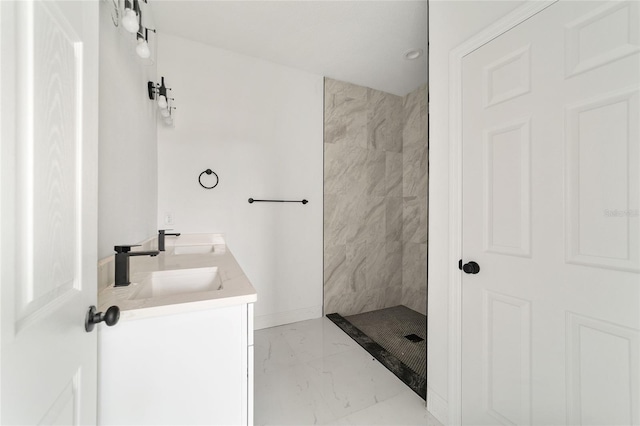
(187, 368)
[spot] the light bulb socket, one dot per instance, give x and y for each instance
(162, 89)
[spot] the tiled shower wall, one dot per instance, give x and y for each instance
(375, 148)
(415, 163)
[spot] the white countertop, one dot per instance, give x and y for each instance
(236, 288)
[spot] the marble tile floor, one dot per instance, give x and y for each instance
(311, 372)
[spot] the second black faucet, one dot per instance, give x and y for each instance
(161, 234)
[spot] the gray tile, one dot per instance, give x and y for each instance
(345, 114)
(384, 126)
(376, 173)
(357, 266)
(357, 208)
(414, 267)
(376, 220)
(415, 299)
(415, 146)
(393, 296)
(377, 126)
(334, 169)
(335, 219)
(349, 90)
(394, 264)
(339, 301)
(355, 162)
(376, 271)
(393, 174)
(335, 273)
(335, 129)
(415, 168)
(394, 124)
(371, 300)
(394, 219)
(414, 117)
(414, 224)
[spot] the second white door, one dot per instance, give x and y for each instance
(551, 186)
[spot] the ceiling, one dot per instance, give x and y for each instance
(361, 42)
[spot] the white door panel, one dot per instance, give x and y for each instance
(551, 189)
(48, 211)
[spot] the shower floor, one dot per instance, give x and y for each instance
(394, 336)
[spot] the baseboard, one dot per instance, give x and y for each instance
(437, 406)
(281, 318)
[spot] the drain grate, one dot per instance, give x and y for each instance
(414, 338)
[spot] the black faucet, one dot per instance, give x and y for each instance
(122, 262)
(161, 235)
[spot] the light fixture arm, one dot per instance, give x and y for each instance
(144, 35)
(162, 89)
(136, 8)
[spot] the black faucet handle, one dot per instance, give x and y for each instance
(162, 231)
(125, 248)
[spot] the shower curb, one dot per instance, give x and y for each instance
(416, 382)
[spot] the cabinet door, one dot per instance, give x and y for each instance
(188, 368)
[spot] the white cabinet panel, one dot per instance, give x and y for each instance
(178, 369)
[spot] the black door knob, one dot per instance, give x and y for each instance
(471, 268)
(110, 317)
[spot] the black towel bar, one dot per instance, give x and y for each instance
(251, 200)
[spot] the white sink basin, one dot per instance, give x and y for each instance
(194, 249)
(195, 244)
(170, 283)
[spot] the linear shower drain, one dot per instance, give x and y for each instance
(414, 338)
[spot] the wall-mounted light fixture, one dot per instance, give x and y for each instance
(132, 22)
(158, 92)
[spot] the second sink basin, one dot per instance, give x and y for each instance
(194, 249)
(196, 244)
(170, 283)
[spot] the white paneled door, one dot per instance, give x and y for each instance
(48, 211)
(551, 188)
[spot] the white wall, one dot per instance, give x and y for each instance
(450, 24)
(259, 126)
(127, 192)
